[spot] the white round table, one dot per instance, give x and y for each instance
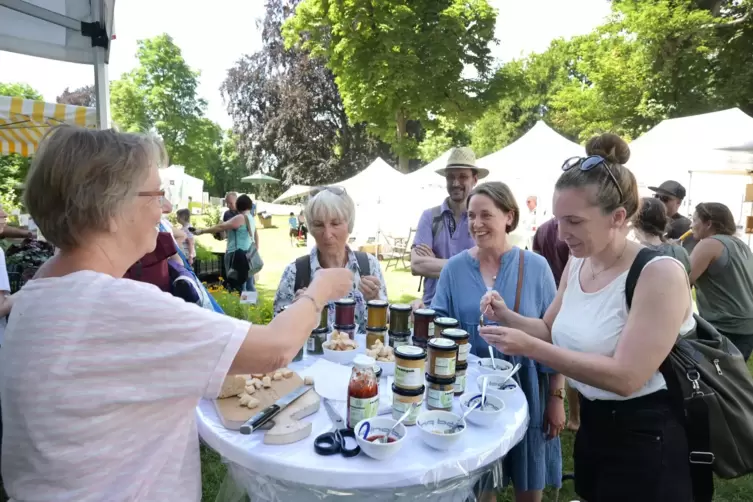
(294, 472)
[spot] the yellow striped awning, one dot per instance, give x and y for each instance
(23, 122)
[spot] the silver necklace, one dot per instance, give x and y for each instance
(591, 263)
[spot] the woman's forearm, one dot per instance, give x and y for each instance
(556, 382)
(220, 227)
(6, 303)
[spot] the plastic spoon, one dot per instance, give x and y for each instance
(386, 437)
(491, 354)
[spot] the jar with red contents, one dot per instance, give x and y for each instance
(423, 327)
(363, 391)
(345, 316)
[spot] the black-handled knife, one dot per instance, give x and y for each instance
(271, 411)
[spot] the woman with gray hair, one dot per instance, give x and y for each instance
(119, 365)
(330, 214)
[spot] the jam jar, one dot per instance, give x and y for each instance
(363, 391)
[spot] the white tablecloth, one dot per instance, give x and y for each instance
(295, 472)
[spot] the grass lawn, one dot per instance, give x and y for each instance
(401, 286)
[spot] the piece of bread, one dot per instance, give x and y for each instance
(244, 399)
(266, 382)
(309, 380)
(287, 372)
(250, 389)
(252, 402)
(232, 386)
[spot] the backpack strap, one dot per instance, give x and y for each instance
(519, 288)
(302, 272)
(642, 259)
(437, 218)
(363, 263)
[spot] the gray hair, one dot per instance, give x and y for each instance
(329, 203)
(80, 178)
(231, 194)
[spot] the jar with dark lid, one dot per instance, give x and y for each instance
(410, 365)
(349, 329)
(424, 344)
(462, 338)
(460, 377)
(378, 371)
(442, 357)
(376, 314)
(439, 392)
(398, 340)
(442, 323)
(400, 318)
(315, 342)
(345, 311)
(423, 324)
(402, 399)
(374, 334)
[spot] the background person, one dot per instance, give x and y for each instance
(671, 194)
(119, 381)
(721, 268)
(331, 213)
(631, 444)
(442, 231)
(650, 224)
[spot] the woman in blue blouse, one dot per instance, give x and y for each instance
(494, 263)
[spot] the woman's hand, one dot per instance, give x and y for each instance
(493, 306)
(554, 417)
(198, 231)
(509, 341)
(331, 284)
(370, 287)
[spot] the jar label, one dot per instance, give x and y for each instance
(444, 366)
(396, 342)
(441, 399)
(399, 407)
(460, 383)
(431, 330)
(361, 409)
(409, 378)
(311, 344)
(463, 350)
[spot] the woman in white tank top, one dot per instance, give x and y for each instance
(631, 445)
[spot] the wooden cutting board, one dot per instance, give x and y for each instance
(288, 426)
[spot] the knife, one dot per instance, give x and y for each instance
(271, 411)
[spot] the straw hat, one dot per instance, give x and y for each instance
(463, 158)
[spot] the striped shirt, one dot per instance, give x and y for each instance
(100, 379)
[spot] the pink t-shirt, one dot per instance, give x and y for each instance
(100, 379)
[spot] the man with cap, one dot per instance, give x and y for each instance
(671, 193)
(442, 231)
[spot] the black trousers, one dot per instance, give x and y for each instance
(631, 451)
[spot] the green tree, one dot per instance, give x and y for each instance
(83, 96)
(397, 61)
(20, 90)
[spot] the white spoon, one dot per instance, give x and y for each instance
(491, 354)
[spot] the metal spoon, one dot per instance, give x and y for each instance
(491, 354)
(386, 437)
(512, 373)
(471, 406)
(483, 392)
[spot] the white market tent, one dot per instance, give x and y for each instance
(293, 192)
(23, 122)
(179, 186)
(76, 31)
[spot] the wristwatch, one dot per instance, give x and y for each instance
(560, 393)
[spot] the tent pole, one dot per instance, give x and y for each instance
(690, 197)
(101, 79)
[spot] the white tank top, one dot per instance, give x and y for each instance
(593, 323)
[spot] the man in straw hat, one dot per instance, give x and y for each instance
(442, 231)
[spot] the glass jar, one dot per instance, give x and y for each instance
(400, 318)
(345, 312)
(462, 338)
(439, 393)
(376, 314)
(443, 354)
(363, 391)
(324, 318)
(396, 341)
(410, 366)
(443, 323)
(402, 399)
(349, 330)
(315, 342)
(423, 327)
(374, 334)
(460, 378)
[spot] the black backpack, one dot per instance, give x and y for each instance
(303, 269)
(710, 384)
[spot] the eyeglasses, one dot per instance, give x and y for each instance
(339, 191)
(663, 198)
(592, 162)
(154, 193)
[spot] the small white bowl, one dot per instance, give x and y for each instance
(494, 380)
(340, 356)
(379, 426)
(485, 366)
(489, 415)
(388, 369)
(433, 426)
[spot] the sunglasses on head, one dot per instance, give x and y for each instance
(663, 198)
(592, 162)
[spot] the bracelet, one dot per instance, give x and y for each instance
(560, 393)
(311, 299)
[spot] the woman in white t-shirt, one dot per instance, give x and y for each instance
(631, 445)
(101, 375)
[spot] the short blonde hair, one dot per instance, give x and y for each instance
(331, 202)
(80, 178)
(503, 199)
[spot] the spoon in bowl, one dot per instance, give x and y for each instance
(491, 355)
(501, 385)
(386, 437)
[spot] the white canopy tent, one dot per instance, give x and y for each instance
(76, 31)
(179, 186)
(293, 192)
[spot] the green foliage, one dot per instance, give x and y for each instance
(261, 313)
(212, 215)
(202, 253)
(20, 90)
(396, 61)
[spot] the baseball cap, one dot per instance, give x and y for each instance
(671, 188)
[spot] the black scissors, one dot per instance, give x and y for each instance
(333, 442)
